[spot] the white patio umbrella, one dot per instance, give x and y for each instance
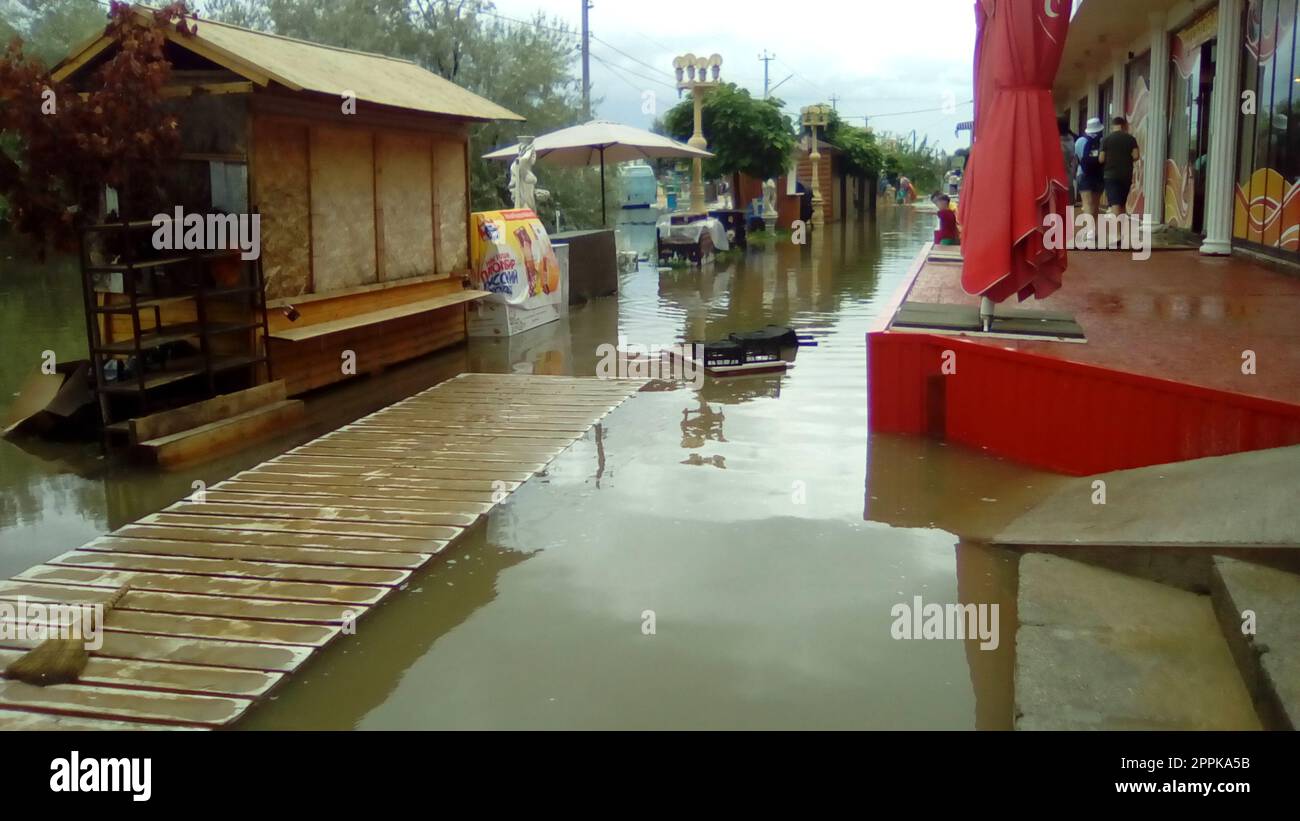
(601, 141)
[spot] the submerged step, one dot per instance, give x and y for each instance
(1259, 610)
(211, 438)
(1100, 650)
(1167, 522)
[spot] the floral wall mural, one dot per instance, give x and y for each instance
(1267, 202)
(1137, 103)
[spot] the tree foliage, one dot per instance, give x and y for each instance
(59, 147)
(49, 28)
(861, 155)
(746, 135)
(922, 163)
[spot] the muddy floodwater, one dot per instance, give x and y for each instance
(752, 523)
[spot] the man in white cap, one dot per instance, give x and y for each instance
(1091, 180)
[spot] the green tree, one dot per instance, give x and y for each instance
(746, 135)
(923, 164)
(49, 29)
(861, 155)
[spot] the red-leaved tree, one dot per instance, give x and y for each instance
(60, 144)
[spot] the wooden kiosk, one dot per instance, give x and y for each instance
(357, 166)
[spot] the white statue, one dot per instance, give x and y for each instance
(523, 183)
(769, 203)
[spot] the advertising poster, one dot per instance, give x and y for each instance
(512, 259)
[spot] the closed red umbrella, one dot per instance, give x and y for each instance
(1016, 175)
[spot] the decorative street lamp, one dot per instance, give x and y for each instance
(698, 75)
(815, 116)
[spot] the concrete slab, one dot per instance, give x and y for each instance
(1241, 500)
(1100, 650)
(1267, 648)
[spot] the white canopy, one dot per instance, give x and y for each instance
(599, 142)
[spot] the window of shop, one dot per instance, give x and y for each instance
(1191, 80)
(1266, 210)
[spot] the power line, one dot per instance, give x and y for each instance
(618, 73)
(795, 73)
(630, 72)
(527, 23)
(917, 111)
(614, 48)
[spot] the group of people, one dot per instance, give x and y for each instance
(1099, 163)
(1096, 163)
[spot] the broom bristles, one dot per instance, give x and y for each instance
(53, 661)
(57, 661)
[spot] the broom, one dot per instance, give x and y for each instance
(57, 661)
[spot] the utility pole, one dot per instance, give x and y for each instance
(834, 100)
(766, 58)
(586, 63)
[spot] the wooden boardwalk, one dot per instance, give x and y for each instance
(232, 593)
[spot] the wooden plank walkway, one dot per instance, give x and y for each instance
(232, 593)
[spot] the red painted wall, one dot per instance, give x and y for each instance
(1064, 416)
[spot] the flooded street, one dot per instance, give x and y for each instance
(754, 520)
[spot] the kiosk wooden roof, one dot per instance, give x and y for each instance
(271, 61)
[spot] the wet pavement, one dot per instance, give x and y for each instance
(751, 523)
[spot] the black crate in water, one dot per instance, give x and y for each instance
(723, 354)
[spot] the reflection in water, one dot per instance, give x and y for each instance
(714, 461)
(701, 425)
(772, 576)
(368, 665)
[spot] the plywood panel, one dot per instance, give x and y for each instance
(451, 207)
(342, 208)
(281, 186)
(404, 183)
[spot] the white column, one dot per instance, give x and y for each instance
(1220, 173)
(1157, 125)
(1119, 89)
(1094, 101)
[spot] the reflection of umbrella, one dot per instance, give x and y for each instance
(601, 141)
(1015, 176)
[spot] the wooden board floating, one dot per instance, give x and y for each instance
(231, 592)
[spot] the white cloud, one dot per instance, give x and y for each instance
(878, 57)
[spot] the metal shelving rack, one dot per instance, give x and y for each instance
(207, 364)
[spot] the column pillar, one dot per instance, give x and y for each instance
(1220, 173)
(1157, 123)
(1094, 101)
(1119, 84)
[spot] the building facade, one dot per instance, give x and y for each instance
(1209, 88)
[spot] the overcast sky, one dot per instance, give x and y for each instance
(879, 57)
